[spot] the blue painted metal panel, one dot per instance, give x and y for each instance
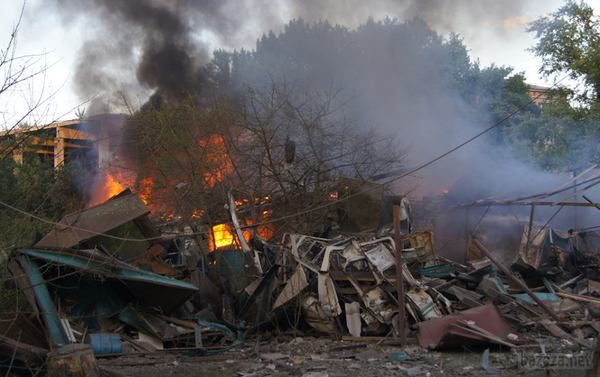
(106, 343)
(111, 268)
(437, 271)
(549, 296)
(55, 329)
(546, 297)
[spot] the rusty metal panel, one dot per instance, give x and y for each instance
(77, 227)
(441, 332)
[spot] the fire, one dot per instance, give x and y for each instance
(264, 231)
(157, 190)
(197, 214)
(217, 159)
(221, 236)
(145, 191)
(112, 187)
(109, 187)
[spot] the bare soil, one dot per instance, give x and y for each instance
(322, 357)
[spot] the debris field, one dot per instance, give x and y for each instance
(113, 292)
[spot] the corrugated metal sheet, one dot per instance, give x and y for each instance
(91, 221)
(149, 288)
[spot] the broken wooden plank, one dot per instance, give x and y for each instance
(346, 347)
(353, 321)
(72, 360)
(372, 339)
(402, 323)
(295, 284)
(556, 331)
(473, 331)
(517, 281)
(575, 297)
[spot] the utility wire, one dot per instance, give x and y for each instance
(419, 167)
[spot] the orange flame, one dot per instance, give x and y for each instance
(112, 187)
(155, 192)
(197, 214)
(222, 237)
(145, 192)
(264, 231)
(217, 159)
(108, 188)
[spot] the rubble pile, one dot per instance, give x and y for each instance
(107, 282)
(346, 286)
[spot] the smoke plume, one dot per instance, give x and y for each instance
(138, 47)
(160, 48)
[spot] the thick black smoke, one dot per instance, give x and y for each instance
(153, 39)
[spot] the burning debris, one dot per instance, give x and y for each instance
(107, 282)
(220, 215)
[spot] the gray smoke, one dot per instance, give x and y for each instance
(140, 47)
(137, 47)
(441, 15)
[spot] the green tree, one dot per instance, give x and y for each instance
(39, 189)
(569, 43)
(566, 133)
(392, 75)
(561, 137)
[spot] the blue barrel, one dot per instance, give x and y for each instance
(106, 343)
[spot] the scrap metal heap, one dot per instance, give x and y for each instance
(107, 277)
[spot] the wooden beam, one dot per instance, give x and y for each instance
(399, 278)
(35, 140)
(70, 133)
(26, 130)
(529, 228)
(589, 299)
(59, 152)
(517, 281)
(28, 150)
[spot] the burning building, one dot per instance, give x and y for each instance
(56, 143)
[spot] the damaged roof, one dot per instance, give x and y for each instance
(150, 288)
(80, 226)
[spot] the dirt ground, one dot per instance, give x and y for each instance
(322, 357)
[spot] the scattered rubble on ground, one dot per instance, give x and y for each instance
(105, 302)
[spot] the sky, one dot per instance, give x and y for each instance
(58, 38)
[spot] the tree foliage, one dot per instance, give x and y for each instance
(37, 188)
(400, 78)
(569, 43)
(196, 154)
(566, 134)
(382, 65)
